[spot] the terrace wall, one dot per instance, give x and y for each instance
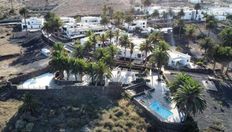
(113, 91)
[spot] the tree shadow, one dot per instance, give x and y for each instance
(62, 109)
(32, 51)
(224, 92)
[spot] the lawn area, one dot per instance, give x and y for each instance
(75, 110)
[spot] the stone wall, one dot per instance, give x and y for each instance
(111, 91)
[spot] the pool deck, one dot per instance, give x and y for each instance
(159, 96)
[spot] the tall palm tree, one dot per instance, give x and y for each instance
(118, 17)
(190, 30)
(189, 99)
(155, 14)
(131, 46)
(206, 44)
(128, 20)
(24, 12)
(101, 72)
(110, 35)
(104, 20)
(103, 39)
(147, 3)
(67, 63)
(146, 47)
(117, 34)
(197, 7)
(154, 38)
(82, 66)
(211, 23)
(160, 56)
(124, 42)
(180, 24)
(226, 36)
(179, 80)
(78, 50)
(90, 70)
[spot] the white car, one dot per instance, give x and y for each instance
(46, 52)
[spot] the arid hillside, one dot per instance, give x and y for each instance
(82, 7)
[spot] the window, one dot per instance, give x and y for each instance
(139, 55)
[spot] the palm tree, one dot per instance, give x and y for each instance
(181, 13)
(92, 39)
(88, 46)
(110, 35)
(117, 34)
(101, 72)
(190, 30)
(29, 104)
(179, 80)
(104, 20)
(124, 42)
(67, 64)
(118, 17)
(197, 7)
(226, 36)
(189, 99)
(128, 20)
(155, 14)
(211, 23)
(180, 23)
(146, 47)
(146, 3)
(78, 50)
(206, 44)
(90, 69)
(154, 38)
(23, 12)
(81, 65)
(160, 56)
(131, 46)
(103, 39)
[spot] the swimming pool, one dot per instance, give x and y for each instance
(160, 110)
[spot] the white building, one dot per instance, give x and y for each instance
(177, 59)
(194, 1)
(91, 20)
(32, 24)
(142, 24)
(68, 20)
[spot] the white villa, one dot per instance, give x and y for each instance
(73, 30)
(178, 59)
(142, 24)
(32, 24)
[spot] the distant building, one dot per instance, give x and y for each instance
(32, 24)
(91, 20)
(68, 20)
(178, 59)
(195, 1)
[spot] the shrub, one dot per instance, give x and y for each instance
(118, 129)
(108, 124)
(119, 113)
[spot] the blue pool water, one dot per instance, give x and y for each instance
(161, 110)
